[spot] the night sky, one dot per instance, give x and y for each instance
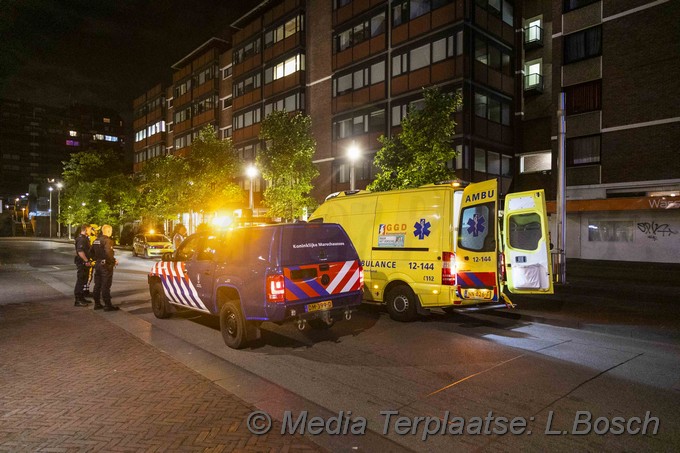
(101, 52)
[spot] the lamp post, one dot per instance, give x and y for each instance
(251, 172)
(50, 189)
(353, 154)
(59, 186)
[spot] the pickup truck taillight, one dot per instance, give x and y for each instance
(361, 277)
(276, 288)
(448, 268)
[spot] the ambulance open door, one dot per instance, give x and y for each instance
(526, 242)
(477, 248)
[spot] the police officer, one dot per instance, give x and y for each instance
(82, 262)
(105, 262)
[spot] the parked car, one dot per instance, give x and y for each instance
(151, 245)
(309, 274)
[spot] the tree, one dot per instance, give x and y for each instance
(419, 154)
(161, 187)
(286, 163)
(96, 190)
(212, 166)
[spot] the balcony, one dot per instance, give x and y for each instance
(533, 84)
(533, 37)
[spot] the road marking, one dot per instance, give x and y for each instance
(475, 374)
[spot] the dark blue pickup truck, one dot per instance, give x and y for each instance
(304, 273)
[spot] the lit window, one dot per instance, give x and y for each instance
(73, 133)
(107, 120)
(535, 162)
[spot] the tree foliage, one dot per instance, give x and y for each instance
(96, 190)
(286, 163)
(419, 154)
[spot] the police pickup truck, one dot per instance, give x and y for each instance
(309, 274)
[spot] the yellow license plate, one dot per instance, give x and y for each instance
(485, 294)
(325, 305)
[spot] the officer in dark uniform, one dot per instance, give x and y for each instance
(105, 262)
(82, 262)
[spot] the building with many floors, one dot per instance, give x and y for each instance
(355, 66)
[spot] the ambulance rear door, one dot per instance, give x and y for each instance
(477, 248)
(526, 243)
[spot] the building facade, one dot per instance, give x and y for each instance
(35, 140)
(355, 66)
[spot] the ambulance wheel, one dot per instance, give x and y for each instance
(233, 326)
(159, 302)
(320, 324)
(401, 303)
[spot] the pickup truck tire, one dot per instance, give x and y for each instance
(233, 325)
(401, 303)
(159, 302)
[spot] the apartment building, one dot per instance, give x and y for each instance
(355, 66)
(622, 123)
(35, 139)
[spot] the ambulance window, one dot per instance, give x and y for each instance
(525, 231)
(476, 229)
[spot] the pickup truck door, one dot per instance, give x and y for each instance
(175, 276)
(200, 274)
(526, 242)
(477, 248)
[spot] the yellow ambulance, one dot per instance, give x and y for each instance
(440, 245)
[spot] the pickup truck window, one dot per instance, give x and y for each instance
(187, 249)
(315, 243)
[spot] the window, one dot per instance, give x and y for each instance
(570, 5)
(247, 51)
(494, 56)
(583, 45)
(524, 231)
(360, 78)
(533, 79)
(340, 3)
(360, 32)
(285, 68)
(361, 123)
(584, 97)
(476, 228)
(501, 8)
(610, 231)
(246, 119)
(183, 115)
(205, 105)
(492, 108)
(445, 47)
(183, 88)
(290, 103)
(533, 32)
(187, 249)
(283, 31)
(583, 150)
(226, 132)
(205, 75)
(406, 10)
(226, 72)
(227, 102)
(535, 162)
(247, 85)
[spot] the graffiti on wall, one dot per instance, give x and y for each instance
(654, 230)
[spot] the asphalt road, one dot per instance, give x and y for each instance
(463, 365)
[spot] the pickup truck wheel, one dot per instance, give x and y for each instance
(233, 326)
(401, 303)
(159, 302)
(320, 324)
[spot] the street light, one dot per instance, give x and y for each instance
(59, 186)
(50, 189)
(251, 172)
(353, 154)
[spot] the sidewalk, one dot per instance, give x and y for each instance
(71, 380)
